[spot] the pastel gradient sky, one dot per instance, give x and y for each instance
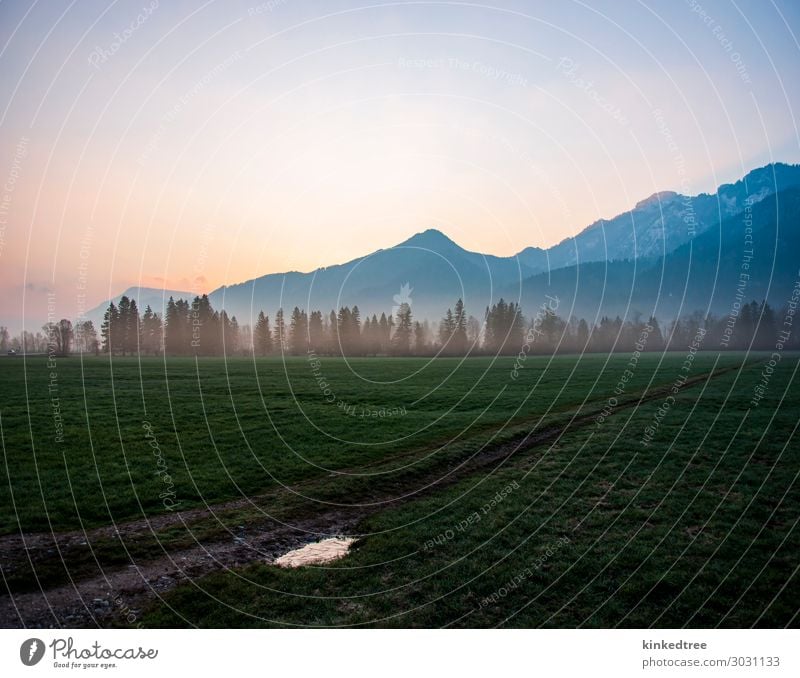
(192, 144)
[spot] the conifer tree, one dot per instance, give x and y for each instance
(298, 332)
(401, 341)
(459, 341)
(109, 328)
(446, 328)
(316, 332)
(280, 337)
(384, 334)
(419, 338)
(262, 337)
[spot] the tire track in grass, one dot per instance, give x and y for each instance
(139, 583)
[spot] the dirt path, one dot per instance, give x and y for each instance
(102, 596)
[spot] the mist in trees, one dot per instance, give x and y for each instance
(59, 337)
(197, 329)
(86, 340)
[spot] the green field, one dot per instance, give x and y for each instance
(477, 499)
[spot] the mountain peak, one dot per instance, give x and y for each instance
(775, 177)
(138, 291)
(660, 197)
(431, 239)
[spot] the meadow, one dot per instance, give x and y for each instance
(478, 496)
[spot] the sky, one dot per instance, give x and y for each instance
(187, 145)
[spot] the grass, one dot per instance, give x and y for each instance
(227, 429)
(696, 530)
(590, 528)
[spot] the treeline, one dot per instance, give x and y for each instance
(195, 328)
(198, 329)
(58, 338)
(187, 329)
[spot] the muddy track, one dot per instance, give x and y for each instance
(100, 596)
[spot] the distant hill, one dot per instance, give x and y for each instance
(428, 270)
(156, 298)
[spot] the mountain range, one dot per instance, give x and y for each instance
(663, 222)
(669, 255)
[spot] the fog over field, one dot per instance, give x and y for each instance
(399, 316)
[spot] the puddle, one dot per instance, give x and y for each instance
(319, 552)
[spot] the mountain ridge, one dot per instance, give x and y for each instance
(703, 274)
(657, 226)
(440, 270)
